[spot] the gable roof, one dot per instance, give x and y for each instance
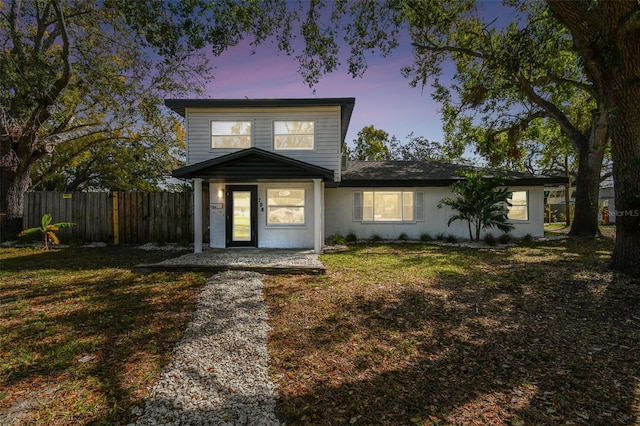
(427, 173)
(252, 164)
(346, 105)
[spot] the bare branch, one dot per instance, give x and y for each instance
(552, 110)
(589, 88)
(432, 47)
(14, 11)
(47, 144)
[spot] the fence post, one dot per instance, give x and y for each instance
(116, 224)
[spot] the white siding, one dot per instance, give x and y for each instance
(326, 152)
(269, 236)
(339, 216)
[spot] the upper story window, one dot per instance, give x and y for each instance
(519, 209)
(293, 134)
(230, 134)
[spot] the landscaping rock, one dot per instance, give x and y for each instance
(218, 375)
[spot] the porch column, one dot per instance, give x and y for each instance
(197, 215)
(318, 208)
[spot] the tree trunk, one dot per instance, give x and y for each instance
(625, 136)
(587, 187)
(606, 34)
(567, 193)
(17, 184)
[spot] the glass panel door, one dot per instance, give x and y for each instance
(242, 213)
(241, 218)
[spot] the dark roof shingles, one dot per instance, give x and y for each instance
(426, 173)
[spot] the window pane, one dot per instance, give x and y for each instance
(388, 206)
(367, 206)
(241, 220)
(519, 206)
(286, 215)
(293, 127)
(285, 197)
(293, 134)
(230, 134)
(407, 206)
(294, 141)
(231, 142)
(285, 206)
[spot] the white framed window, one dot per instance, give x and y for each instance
(230, 134)
(285, 206)
(519, 209)
(388, 206)
(293, 134)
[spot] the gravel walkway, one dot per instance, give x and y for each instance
(218, 375)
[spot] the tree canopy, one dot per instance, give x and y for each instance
(77, 79)
(74, 70)
(371, 145)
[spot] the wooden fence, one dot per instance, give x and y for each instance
(119, 217)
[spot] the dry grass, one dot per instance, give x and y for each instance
(63, 307)
(392, 335)
(426, 335)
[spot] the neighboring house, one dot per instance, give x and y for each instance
(277, 179)
(556, 205)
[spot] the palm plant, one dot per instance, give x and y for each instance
(48, 230)
(481, 202)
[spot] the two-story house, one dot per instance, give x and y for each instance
(277, 178)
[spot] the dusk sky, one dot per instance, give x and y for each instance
(384, 98)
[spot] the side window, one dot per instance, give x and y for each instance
(519, 209)
(293, 135)
(388, 206)
(230, 134)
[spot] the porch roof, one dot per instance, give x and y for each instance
(253, 164)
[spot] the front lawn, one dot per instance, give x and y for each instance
(81, 337)
(428, 335)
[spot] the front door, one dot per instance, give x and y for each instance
(242, 215)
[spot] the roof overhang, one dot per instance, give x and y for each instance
(253, 164)
(346, 106)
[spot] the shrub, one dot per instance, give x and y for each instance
(403, 237)
(337, 239)
(425, 238)
(490, 240)
(452, 239)
(47, 230)
(375, 238)
(505, 239)
(440, 237)
(527, 239)
(351, 237)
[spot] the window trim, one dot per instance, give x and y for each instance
(526, 204)
(304, 208)
(212, 135)
(313, 135)
(418, 207)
